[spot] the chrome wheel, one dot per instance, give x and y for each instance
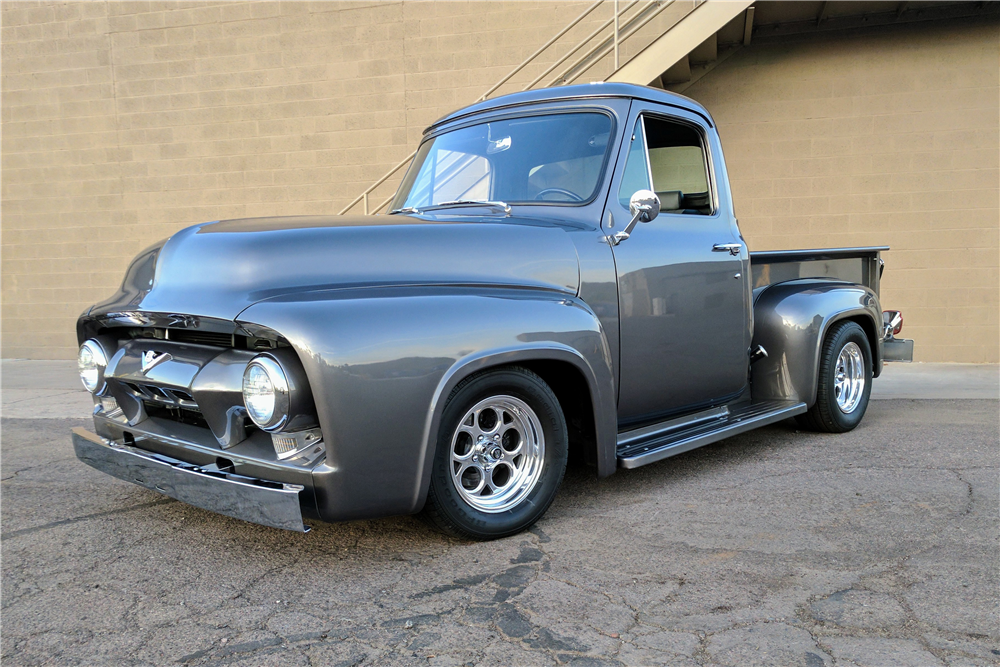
(849, 384)
(497, 453)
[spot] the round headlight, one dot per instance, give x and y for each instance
(91, 362)
(265, 393)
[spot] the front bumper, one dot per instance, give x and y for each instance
(266, 503)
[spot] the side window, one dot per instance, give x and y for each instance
(679, 168)
(636, 175)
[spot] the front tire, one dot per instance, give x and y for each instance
(845, 381)
(500, 457)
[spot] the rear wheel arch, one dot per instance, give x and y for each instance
(839, 407)
(860, 317)
(872, 333)
(792, 320)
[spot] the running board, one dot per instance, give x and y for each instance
(633, 452)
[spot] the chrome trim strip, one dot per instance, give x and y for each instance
(731, 428)
(266, 503)
(771, 256)
(661, 428)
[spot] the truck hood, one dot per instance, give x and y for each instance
(218, 269)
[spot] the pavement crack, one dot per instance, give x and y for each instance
(834, 469)
(36, 398)
(701, 654)
(816, 640)
(40, 465)
(968, 485)
(87, 517)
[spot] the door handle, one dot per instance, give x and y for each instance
(731, 248)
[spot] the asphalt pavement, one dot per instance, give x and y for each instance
(777, 547)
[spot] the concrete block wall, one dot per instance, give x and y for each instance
(882, 137)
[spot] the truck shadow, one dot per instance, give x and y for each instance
(581, 492)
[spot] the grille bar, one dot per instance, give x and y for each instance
(162, 395)
(235, 340)
(198, 337)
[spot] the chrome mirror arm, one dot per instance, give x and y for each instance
(625, 233)
(644, 207)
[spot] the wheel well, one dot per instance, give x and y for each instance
(870, 333)
(570, 387)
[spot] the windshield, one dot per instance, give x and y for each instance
(550, 158)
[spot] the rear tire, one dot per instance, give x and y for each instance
(845, 381)
(500, 457)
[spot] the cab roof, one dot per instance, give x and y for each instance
(579, 91)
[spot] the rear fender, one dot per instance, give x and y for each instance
(791, 320)
(382, 362)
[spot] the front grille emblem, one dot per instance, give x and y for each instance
(152, 358)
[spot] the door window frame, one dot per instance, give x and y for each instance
(678, 116)
(703, 144)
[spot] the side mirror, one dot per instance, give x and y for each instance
(644, 206)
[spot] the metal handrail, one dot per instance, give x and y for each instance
(583, 42)
(616, 34)
(387, 200)
(588, 60)
(364, 195)
(638, 22)
(544, 46)
(588, 40)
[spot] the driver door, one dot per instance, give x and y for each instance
(683, 312)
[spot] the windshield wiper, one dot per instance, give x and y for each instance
(503, 206)
(405, 209)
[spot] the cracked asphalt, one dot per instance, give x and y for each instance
(877, 547)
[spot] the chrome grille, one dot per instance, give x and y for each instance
(165, 396)
(155, 378)
(238, 341)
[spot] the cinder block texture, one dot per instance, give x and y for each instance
(882, 137)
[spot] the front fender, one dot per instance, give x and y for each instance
(791, 320)
(381, 363)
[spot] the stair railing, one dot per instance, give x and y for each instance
(622, 30)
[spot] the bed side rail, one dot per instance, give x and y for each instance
(857, 265)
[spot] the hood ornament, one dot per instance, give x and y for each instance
(152, 359)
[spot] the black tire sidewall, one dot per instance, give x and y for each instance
(449, 505)
(848, 332)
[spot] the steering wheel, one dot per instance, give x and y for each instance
(561, 191)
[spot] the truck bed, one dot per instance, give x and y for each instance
(857, 265)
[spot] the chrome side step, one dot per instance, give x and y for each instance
(658, 445)
(627, 438)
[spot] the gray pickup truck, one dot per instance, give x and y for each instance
(561, 275)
